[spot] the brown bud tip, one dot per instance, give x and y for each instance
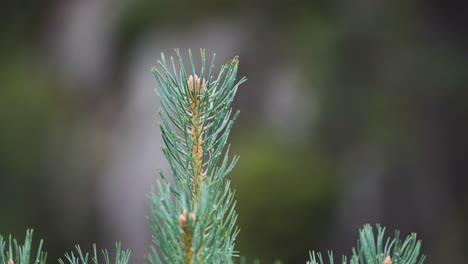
(192, 217)
(194, 84)
(190, 82)
(183, 218)
(11, 261)
(203, 86)
(387, 260)
(197, 83)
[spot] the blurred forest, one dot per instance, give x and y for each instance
(354, 112)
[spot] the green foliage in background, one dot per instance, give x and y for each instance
(29, 107)
(277, 193)
(21, 254)
(376, 250)
(122, 257)
(14, 253)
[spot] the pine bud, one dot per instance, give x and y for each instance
(192, 217)
(197, 83)
(387, 260)
(190, 82)
(183, 218)
(196, 89)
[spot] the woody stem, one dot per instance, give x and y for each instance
(196, 133)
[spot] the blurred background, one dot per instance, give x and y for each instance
(354, 112)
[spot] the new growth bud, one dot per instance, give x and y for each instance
(387, 260)
(192, 217)
(183, 218)
(197, 84)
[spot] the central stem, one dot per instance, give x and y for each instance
(196, 131)
(187, 238)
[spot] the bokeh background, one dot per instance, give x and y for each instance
(354, 112)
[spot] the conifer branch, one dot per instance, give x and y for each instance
(373, 251)
(196, 118)
(13, 253)
(121, 257)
